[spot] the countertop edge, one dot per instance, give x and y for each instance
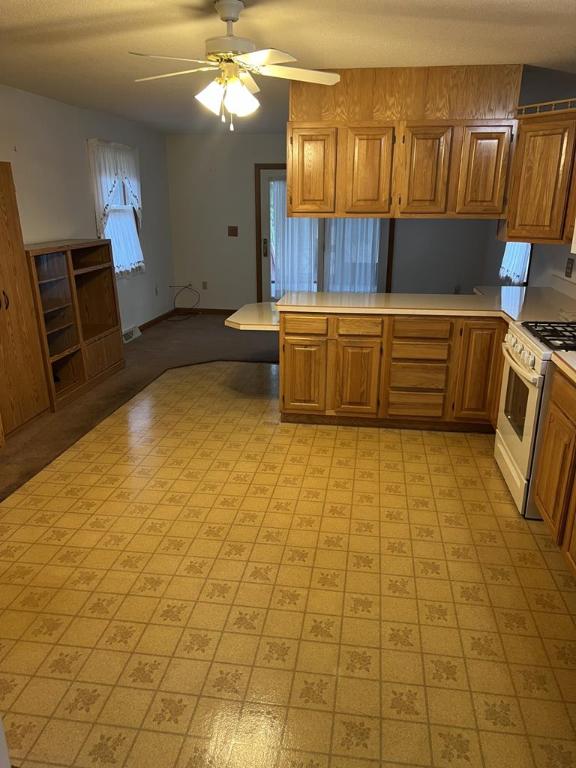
(564, 366)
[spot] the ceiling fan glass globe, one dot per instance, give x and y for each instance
(211, 97)
(238, 99)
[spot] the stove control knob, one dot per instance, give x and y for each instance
(526, 357)
(532, 361)
(508, 338)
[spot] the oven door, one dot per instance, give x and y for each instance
(518, 412)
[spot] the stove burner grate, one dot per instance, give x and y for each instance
(560, 336)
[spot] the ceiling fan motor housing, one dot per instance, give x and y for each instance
(220, 47)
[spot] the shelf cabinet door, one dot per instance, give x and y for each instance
(312, 169)
(368, 172)
(478, 366)
(540, 179)
(357, 376)
(426, 169)
(304, 375)
(483, 169)
(23, 387)
(554, 468)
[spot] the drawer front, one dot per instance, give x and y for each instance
(418, 376)
(359, 326)
(306, 324)
(420, 350)
(102, 354)
(564, 395)
(418, 404)
(422, 328)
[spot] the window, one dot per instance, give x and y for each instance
(116, 182)
(516, 263)
(320, 254)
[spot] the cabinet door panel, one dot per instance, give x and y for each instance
(571, 210)
(483, 168)
(304, 375)
(313, 170)
(369, 169)
(478, 366)
(426, 167)
(23, 388)
(357, 376)
(554, 468)
(540, 180)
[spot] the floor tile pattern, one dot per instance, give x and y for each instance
(196, 585)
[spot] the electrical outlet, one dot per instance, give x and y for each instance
(232, 230)
(204, 285)
(156, 289)
(569, 267)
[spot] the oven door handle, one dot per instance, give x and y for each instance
(534, 381)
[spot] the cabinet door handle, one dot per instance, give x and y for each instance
(6, 300)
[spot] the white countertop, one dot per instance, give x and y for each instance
(510, 303)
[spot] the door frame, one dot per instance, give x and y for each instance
(258, 168)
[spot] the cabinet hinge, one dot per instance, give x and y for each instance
(283, 347)
(393, 138)
(404, 139)
(290, 140)
(461, 331)
(453, 405)
(399, 199)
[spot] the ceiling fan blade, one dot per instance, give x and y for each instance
(295, 73)
(249, 82)
(171, 58)
(174, 74)
(264, 56)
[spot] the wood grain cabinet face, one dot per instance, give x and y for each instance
(304, 375)
(483, 167)
(477, 370)
(368, 173)
(571, 211)
(313, 169)
(540, 180)
(554, 468)
(357, 376)
(426, 169)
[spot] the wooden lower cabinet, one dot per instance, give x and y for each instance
(357, 376)
(303, 363)
(479, 369)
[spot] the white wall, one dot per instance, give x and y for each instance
(212, 186)
(45, 141)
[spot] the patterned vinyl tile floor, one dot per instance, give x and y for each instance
(195, 585)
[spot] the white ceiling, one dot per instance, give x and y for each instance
(77, 51)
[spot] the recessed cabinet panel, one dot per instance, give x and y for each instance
(368, 176)
(304, 376)
(426, 167)
(540, 180)
(483, 166)
(357, 375)
(313, 165)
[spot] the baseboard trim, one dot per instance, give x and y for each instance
(150, 323)
(202, 311)
(374, 421)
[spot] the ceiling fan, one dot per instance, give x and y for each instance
(236, 61)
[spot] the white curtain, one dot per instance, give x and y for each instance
(351, 255)
(116, 184)
(515, 262)
(293, 247)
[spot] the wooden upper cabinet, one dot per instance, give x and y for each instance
(304, 375)
(368, 172)
(554, 468)
(426, 169)
(477, 369)
(357, 376)
(540, 179)
(312, 162)
(483, 169)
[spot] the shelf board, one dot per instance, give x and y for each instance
(47, 311)
(66, 353)
(49, 280)
(62, 327)
(94, 268)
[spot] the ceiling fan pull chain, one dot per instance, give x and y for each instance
(231, 122)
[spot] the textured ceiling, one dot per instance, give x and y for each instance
(77, 51)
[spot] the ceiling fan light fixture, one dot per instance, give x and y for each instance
(211, 96)
(238, 100)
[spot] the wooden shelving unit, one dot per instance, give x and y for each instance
(77, 312)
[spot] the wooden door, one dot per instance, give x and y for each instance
(312, 169)
(368, 172)
(540, 178)
(554, 468)
(571, 210)
(483, 169)
(477, 368)
(23, 388)
(426, 169)
(357, 376)
(304, 375)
